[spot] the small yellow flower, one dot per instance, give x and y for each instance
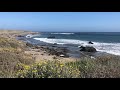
(39, 64)
(61, 65)
(27, 67)
(34, 71)
(45, 62)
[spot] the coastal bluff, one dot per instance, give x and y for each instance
(15, 33)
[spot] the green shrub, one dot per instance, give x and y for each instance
(101, 67)
(48, 69)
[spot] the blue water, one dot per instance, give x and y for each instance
(103, 41)
(107, 37)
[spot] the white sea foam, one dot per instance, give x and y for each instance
(30, 35)
(63, 33)
(112, 48)
(60, 41)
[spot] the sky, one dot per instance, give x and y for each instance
(61, 21)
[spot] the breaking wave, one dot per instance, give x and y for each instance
(112, 48)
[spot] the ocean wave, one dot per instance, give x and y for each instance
(63, 33)
(30, 35)
(111, 48)
(60, 41)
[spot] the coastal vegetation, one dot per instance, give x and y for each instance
(12, 53)
(15, 63)
(105, 67)
(48, 69)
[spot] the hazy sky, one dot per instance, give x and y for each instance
(61, 21)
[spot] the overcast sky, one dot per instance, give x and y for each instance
(61, 21)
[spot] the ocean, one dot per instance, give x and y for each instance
(108, 42)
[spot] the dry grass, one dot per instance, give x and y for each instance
(101, 67)
(12, 53)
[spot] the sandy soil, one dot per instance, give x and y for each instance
(38, 55)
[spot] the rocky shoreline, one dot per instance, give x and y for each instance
(60, 51)
(52, 50)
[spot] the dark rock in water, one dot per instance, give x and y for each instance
(90, 42)
(81, 46)
(55, 44)
(88, 49)
(51, 37)
(29, 45)
(20, 36)
(28, 36)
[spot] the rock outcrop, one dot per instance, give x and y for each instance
(62, 52)
(90, 42)
(88, 49)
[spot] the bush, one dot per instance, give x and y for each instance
(8, 62)
(11, 45)
(48, 69)
(101, 67)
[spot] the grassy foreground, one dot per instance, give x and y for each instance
(14, 63)
(105, 67)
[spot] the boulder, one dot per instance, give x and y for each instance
(57, 52)
(90, 42)
(20, 36)
(55, 44)
(88, 49)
